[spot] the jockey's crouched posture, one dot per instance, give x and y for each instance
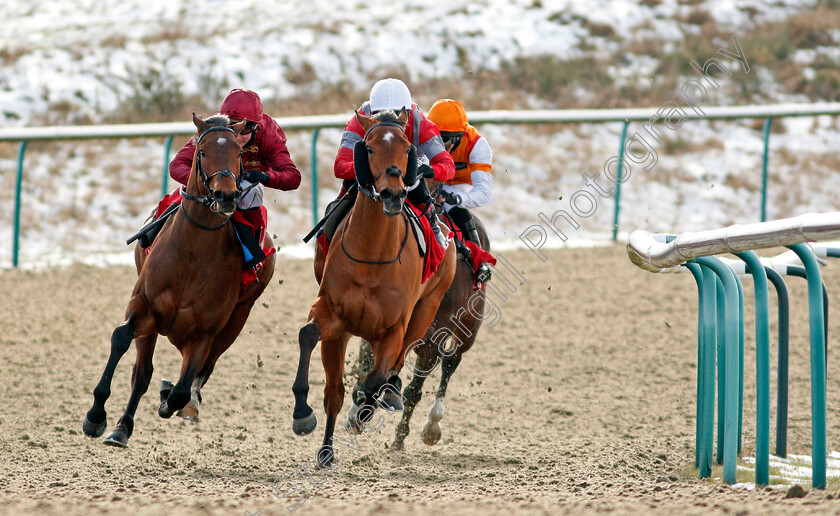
(265, 161)
(393, 94)
(472, 186)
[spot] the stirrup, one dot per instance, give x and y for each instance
(483, 274)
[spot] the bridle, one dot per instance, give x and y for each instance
(209, 200)
(371, 192)
(392, 170)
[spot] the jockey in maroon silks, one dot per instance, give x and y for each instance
(265, 158)
(433, 159)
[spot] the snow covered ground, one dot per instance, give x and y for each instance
(88, 56)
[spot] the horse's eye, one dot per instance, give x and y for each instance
(368, 149)
(201, 153)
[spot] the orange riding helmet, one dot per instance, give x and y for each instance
(241, 104)
(449, 115)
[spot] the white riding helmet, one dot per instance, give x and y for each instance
(389, 94)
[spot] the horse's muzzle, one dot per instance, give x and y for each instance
(224, 203)
(392, 203)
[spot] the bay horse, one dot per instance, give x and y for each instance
(458, 318)
(188, 287)
(370, 285)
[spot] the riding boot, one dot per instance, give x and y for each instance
(433, 220)
(419, 196)
(464, 219)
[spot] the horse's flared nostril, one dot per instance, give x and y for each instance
(403, 194)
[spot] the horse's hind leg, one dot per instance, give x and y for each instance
(431, 430)
(426, 364)
(96, 418)
(194, 356)
(141, 375)
(223, 340)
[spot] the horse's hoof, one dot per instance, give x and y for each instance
(165, 389)
(305, 425)
(190, 412)
(163, 410)
(353, 425)
(391, 401)
(325, 457)
(431, 433)
(398, 444)
(94, 429)
(118, 437)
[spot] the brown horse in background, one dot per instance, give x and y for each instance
(371, 284)
(451, 334)
(188, 287)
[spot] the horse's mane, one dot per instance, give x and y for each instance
(386, 115)
(217, 120)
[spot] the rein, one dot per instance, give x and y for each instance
(373, 262)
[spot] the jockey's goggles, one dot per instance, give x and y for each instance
(451, 138)
(249, 126)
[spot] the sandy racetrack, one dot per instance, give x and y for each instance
(581, 400)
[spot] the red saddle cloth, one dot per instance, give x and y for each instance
(434, 251)
(477, 254)
(256, 219)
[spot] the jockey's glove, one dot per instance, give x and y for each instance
(256, 176)
(426, 171)
(451, 199)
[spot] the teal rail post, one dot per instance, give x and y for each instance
(762, 352)
(618, 180)
(740, 357)
(167, 146)
(767, 122)
(721, 366)
(817, 331)
(730, 450)
(18, 186)
(697, 272)
(707, 336)
(315, 176)
(782, 361)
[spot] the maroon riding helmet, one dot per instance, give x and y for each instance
(241, 104)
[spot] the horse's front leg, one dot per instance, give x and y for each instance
(141, 375)
(96, 418)
(137, 324)
(332, 356)
(382, 386)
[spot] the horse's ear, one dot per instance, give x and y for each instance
(361, 164)
(402, 115)
(411, 168)
(364, 120)
(239, 127)
(199, 123)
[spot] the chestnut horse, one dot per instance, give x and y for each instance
(188, 287)
(451, 334)
(371, 283)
